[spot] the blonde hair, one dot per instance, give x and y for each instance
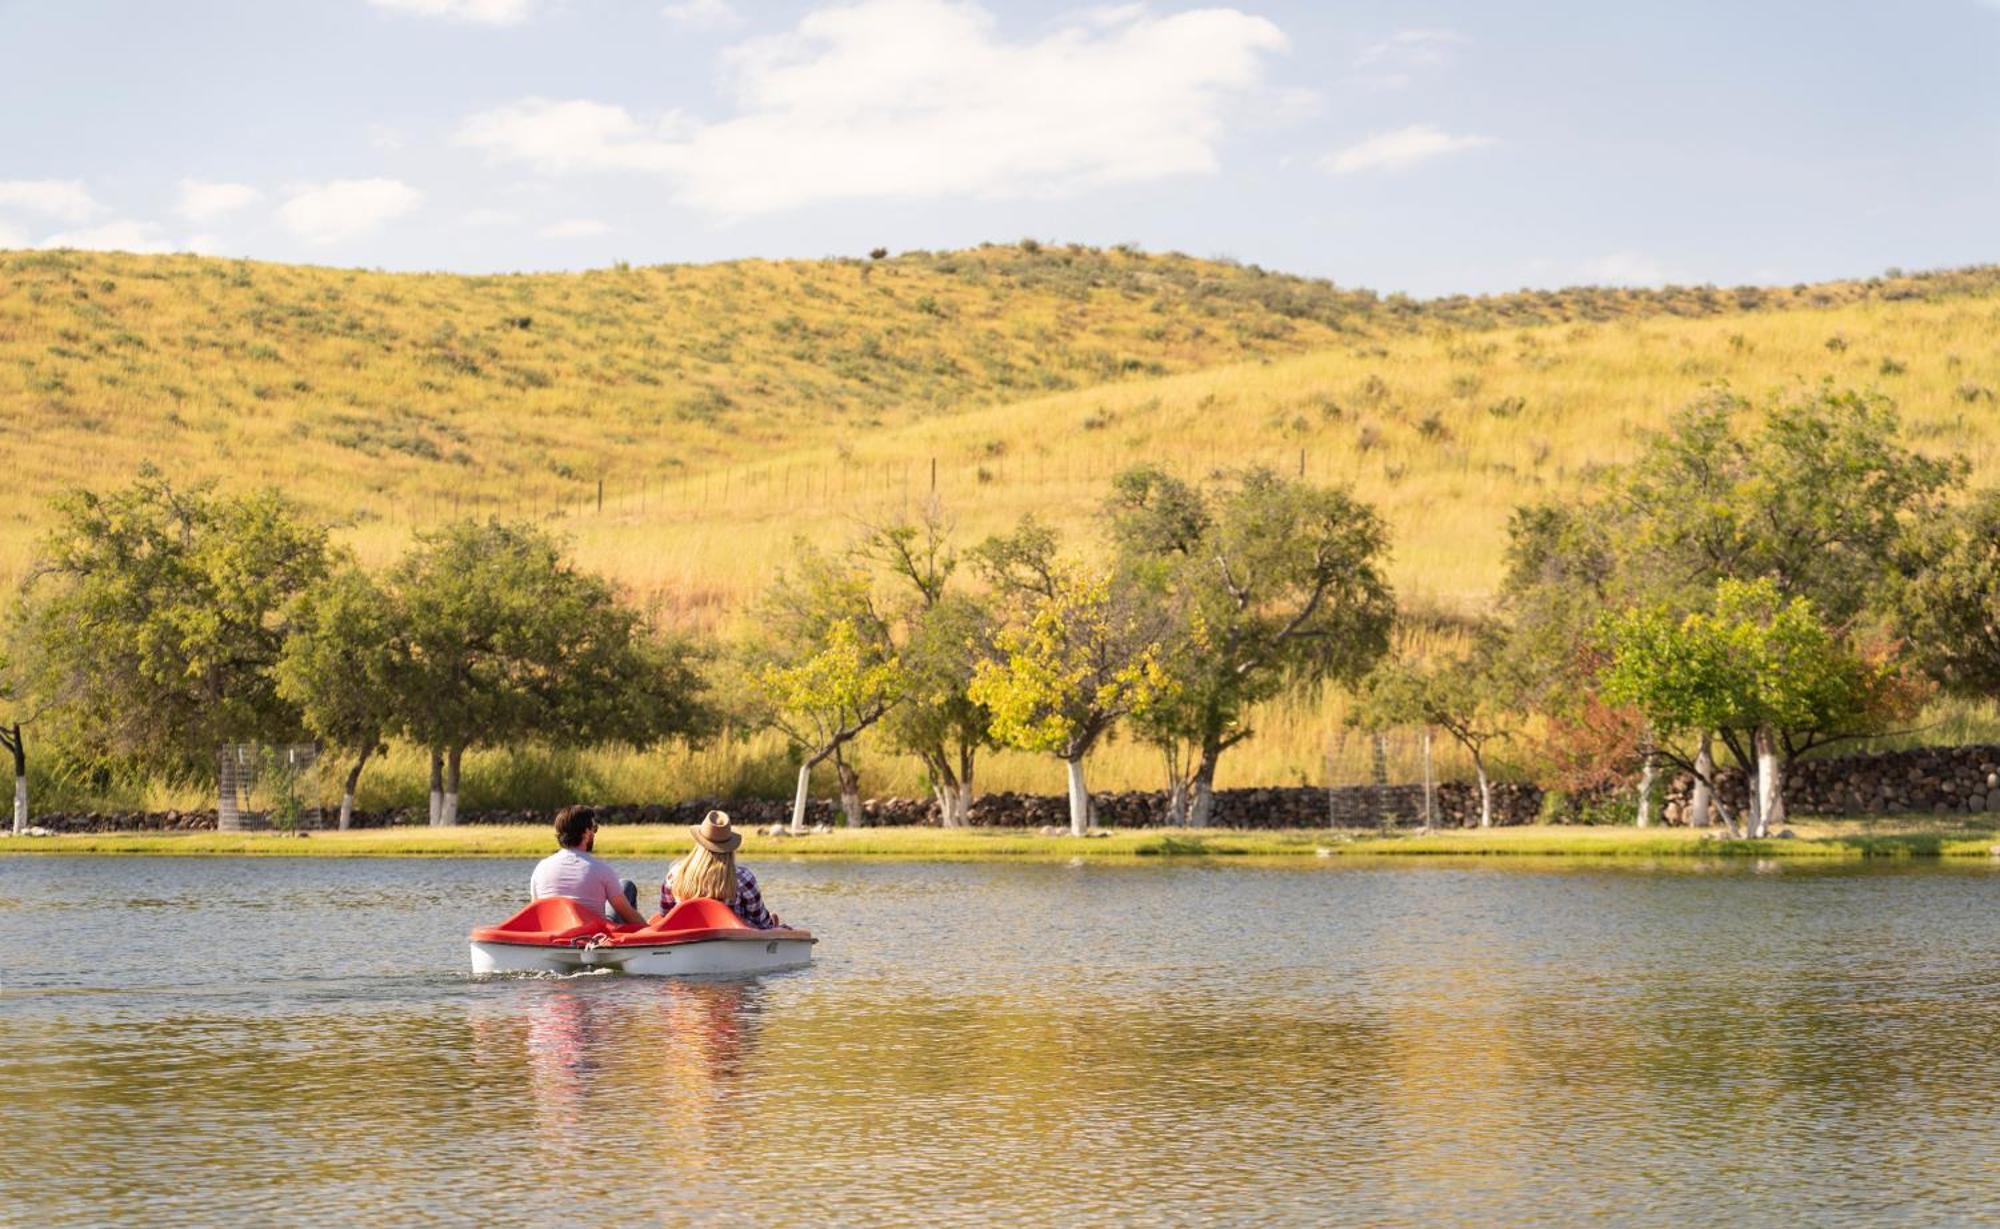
(704, 876)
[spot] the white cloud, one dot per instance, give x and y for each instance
(578, 135)
(703, 14)
(344, 208)
(65, 200)
(1402, 148)
(490, 217)
(480, 12)
(576, 228)
(922, 99)
(119, 236)
(1628, 268)
(1411, 49)
(202, 201)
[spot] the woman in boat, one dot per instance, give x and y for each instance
(709, 872)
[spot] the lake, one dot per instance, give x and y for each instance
(286, 1041)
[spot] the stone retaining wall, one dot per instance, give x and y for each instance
(1282, 807)
(1939, 780)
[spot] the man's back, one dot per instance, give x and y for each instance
(577, 875)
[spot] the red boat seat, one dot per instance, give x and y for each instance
(552, 919)
(701, 915)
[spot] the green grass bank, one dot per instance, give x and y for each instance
(1911, 837)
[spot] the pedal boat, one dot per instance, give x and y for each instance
(558, 935)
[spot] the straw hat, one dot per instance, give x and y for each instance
(715, 835)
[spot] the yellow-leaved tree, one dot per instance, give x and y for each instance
(1083, 652)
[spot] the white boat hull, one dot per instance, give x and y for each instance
(705, 957)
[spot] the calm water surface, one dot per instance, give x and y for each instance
(299, 1042)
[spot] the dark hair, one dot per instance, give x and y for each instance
(572, 823)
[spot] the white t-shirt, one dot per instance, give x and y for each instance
(577, 875)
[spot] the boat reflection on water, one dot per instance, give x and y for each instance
(603, 1051)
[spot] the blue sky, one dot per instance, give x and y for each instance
(1430, 148)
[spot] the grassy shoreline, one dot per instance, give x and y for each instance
(1910, 837)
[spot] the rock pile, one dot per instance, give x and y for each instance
(1939, 780)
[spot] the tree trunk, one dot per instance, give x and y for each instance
(17, 744)
(967, 756)
(1700, 803)
(1079, 798)
(228, 815)
(799, 799)
(944, 787)
(1645, 811)
(448, 815)
(1201, 812)
(850, 792)
(347, 790)
(1770, 786)
(437, 787)
(1485, 790)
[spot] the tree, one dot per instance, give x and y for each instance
(14, 738)
(944, 633)
(339, 667)
(1818, 500)
(504, 642)
(1950, 600)
(1277, 584)
(1078, 659)
(153, 615)
(1471, 698)
(826, 669)
(1764, 673)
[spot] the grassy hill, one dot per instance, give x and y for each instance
(727, 408)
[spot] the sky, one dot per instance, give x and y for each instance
(1431, 148)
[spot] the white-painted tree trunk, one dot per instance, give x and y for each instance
(20, 805)
(964, 803)
(437, 787)
(1645, 812)
(448, 814)
(1701, 803)
(1201, 811)
(1770, 804)
(1079, 799)
(1485, 791)
(799, 799)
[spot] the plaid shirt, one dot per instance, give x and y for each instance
(748, 905)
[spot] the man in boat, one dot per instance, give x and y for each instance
(572, 870)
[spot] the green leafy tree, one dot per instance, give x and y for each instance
(1818, 500)
(339, 668)
(1080, 659)
(504, 642)
(1277, 584)
(1763, 672)
(153, 616)
(944, 633)
(1473, 698)
(1950, 602)
(824, 668)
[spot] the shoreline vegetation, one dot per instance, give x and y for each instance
(679, 430)
(1908, 837)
